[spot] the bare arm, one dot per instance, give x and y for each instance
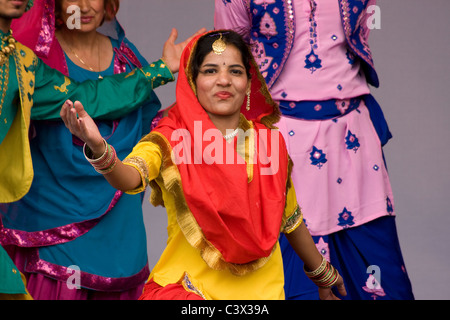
(303, 244)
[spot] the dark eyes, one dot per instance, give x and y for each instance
(237, 71)
(214, 71)
(208, 71)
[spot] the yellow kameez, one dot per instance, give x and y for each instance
(182, 263)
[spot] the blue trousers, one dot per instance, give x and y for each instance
(368, 257)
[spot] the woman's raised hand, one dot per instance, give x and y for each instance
(80, 124)
(172, 52)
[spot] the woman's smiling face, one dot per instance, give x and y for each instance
(222, 83)
(92, 13)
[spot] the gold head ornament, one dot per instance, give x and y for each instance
(219, 46)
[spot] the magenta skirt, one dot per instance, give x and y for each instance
(42, 287)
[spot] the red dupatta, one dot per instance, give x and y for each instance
(36, 29)
(232, 212)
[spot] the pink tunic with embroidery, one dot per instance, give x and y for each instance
(339, 172)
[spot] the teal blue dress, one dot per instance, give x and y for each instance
(71, 218)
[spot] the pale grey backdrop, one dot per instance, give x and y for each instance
(411, 52)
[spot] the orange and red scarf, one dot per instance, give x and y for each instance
(237, 210)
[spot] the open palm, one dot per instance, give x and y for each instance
(172, 52)
(80, 124)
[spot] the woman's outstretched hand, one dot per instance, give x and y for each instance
(80, 124)
(172, 52)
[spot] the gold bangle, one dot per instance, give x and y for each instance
(325, 276)
(88, 153)
(106, 162)
(319, 269)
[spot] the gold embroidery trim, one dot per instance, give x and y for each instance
(293, 221)
(151, 78)
(141, 166)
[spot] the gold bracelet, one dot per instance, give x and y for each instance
(106, 162)
(319, 269)
(325, 276)
(88, 153)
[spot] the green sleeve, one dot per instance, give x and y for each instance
(109, 98)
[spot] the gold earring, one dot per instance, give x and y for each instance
(248, 101)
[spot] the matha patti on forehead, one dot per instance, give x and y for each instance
(219, 46)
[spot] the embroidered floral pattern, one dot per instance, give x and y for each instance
(317, 157)
(267, 26)
(322, 247)
(345, 219)
(342, 105)
(273, 30)
(262, 60)
(352, 141)
(389, 206)
(312, 61)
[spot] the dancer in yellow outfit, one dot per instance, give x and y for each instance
(223, 173)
